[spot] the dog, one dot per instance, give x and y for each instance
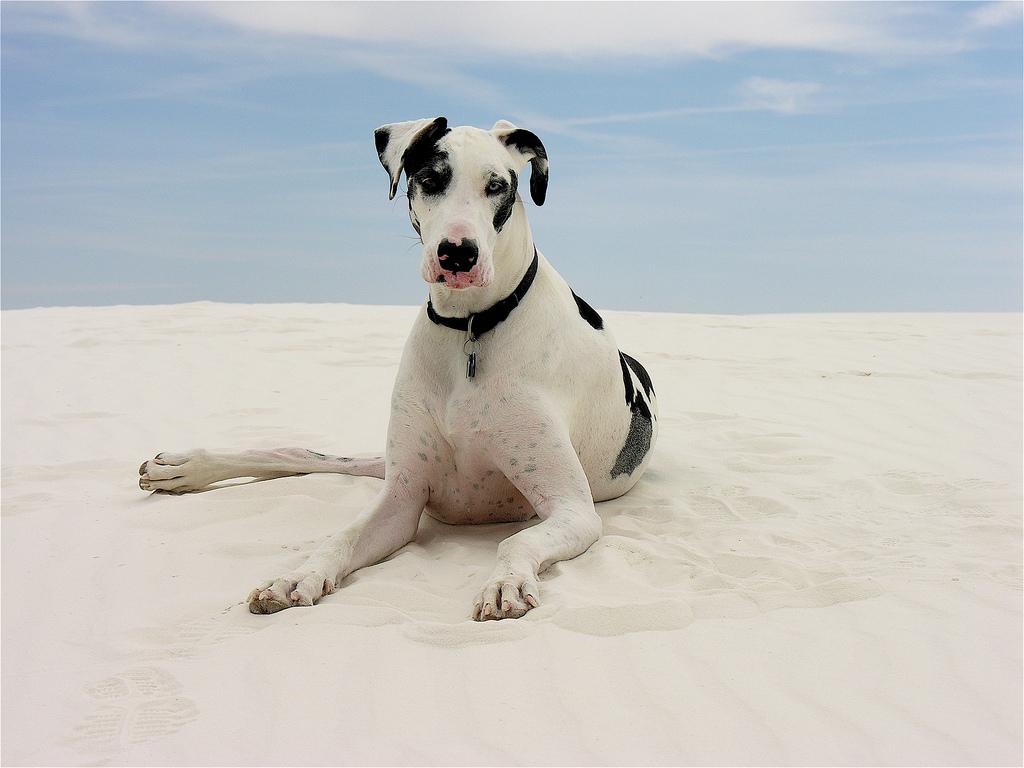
(512, 399)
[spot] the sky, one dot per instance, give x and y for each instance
(704, 157)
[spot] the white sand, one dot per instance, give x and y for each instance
(823, 564)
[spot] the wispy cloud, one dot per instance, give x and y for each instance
(786, 96)
(568, 30)
(83, 21)
(755, 94)
(648, 115)
(324, 158)
(389, 40)
(580, 30)
(997, 14)
(998, 138)
(995, 151)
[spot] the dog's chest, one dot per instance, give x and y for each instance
(468, 486)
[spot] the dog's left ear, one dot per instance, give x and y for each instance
(395, 140)
(524, 145)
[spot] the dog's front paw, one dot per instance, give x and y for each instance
(290, 591)
(508, 596)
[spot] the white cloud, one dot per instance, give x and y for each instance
(454, 32)
(786, 96)
(587, 29)
(568, 30)
(434, 45)
(997, 14)
(81, 21)
(756, 94)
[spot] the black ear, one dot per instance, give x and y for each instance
(524, 145)
(398, 143)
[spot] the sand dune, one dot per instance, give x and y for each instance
(822, 565)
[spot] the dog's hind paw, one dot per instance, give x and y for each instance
(176, 472)
(289, 592)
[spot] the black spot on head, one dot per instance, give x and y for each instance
(506, 202)
(432, 179)
(588, 313)
(423, 150)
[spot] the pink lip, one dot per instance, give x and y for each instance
(458, 280)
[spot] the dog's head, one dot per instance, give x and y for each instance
(463, 186)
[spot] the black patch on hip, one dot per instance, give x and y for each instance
(588, 313)
(641, 425)
(627, 380)
(641, 373)
(633, 397)
(638, 443)
(506, 203)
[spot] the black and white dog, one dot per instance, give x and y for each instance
(512, 399)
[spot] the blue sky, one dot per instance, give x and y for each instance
(704, 157)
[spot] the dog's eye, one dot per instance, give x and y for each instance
(494, 187)
(429, 183)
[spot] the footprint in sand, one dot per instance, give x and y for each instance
(136, 705)
(779, 452)
(192, 637)
(710, 508)
(913, 483)
(754, 507)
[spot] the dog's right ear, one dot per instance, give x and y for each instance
(523, 146)
(395, 141)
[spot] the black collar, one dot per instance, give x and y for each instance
(489, 318)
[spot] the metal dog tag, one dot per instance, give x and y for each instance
(471, 352)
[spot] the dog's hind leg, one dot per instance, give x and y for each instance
(199, 469)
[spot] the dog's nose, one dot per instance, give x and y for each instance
(457, 258)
